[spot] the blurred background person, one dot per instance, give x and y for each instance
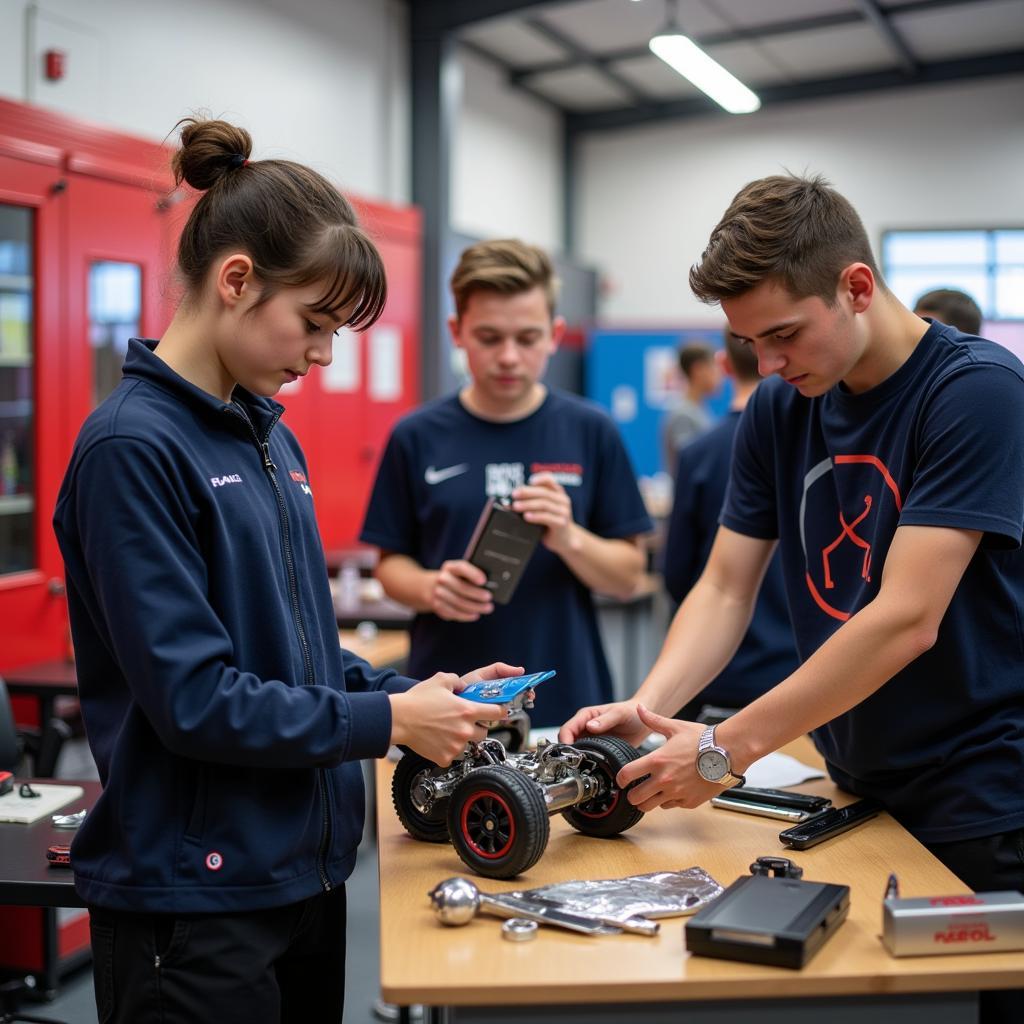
(952, 307)
(767, 653)
(689, 416)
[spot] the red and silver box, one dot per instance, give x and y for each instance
(983, 922)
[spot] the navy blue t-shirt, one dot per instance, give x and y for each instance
(939, 443)
(767, 654)
(440, 466)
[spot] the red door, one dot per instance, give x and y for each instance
(32, 609)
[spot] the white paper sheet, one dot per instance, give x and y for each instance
(25, 810)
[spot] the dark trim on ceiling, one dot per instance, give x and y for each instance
(441, 16)
(897, 45)
(751, 33)
(982, 66)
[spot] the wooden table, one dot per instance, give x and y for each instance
(388, 649)
(476, 976)
(44, 680)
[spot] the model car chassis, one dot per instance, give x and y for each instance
(494, 805)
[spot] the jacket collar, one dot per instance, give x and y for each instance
(142, 363)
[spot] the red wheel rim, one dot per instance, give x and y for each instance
(488, 825)
(603, 806)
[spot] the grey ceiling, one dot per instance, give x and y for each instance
(589, 58)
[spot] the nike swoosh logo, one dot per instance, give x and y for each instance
(436, 476)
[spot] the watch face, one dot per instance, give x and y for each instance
(712, 766)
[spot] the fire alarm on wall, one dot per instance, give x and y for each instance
(54, 64)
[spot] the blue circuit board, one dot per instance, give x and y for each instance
(502, 691)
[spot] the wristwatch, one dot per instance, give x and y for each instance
(713, 762)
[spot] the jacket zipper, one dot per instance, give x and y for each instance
(293, 592)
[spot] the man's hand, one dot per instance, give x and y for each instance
(496, 670)
(672, 768)
(619, 719)
(435, 722)
(457, 592)
(544, 501)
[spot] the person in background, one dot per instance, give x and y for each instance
(767, 653)
(558, 458)
(949, 306)
(884, 456)
(226, 723)
(689, 417)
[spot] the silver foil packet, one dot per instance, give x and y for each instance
(657, 894)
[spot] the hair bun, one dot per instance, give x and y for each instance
(209, 150)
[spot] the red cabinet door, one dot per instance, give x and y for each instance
(32, 416)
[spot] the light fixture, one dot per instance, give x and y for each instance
(683, 55)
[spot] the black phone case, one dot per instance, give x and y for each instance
(832, 822)
(501, 545)
(780, 797)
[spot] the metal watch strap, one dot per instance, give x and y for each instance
(707, 742)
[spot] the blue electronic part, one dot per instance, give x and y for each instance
(502, 691)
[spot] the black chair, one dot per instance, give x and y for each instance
(43, 747)
(40, 746)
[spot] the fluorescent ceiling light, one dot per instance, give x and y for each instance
(682, 54)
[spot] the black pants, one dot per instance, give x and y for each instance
(275, 966)
(990, 864)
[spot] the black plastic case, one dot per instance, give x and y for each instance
(767, 920)
(501, 545)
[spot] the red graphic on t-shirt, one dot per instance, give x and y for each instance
(847, 529)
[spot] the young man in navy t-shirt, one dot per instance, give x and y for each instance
(558, 458)
(886, 458)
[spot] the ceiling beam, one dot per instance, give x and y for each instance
(441, 16)
(982, 66)
(583, 56)
(752, 33)
(892, 39)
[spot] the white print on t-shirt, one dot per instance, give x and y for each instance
(436, 476)
(502, 478)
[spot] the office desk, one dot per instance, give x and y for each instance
(388, 649)
(52, 940)
(476, 976)
(44, 680)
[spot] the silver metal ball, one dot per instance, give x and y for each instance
(455, 900)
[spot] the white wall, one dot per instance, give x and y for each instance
(945, 156)
(320, 81)
(506, 161)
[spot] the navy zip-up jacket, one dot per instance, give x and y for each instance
(226, 722)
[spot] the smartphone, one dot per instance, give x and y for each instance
(766, 810)
(779, 798)
(829, 823)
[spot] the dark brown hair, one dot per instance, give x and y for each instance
(951, 306)
(797, 230)
(294, 224)
(694, 352)
(742, 356)
(506, 266)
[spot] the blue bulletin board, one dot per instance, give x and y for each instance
(634, 375)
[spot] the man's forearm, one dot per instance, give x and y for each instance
(406, 581)
(609, 566)
(853, 663)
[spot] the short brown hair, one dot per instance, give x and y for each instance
(798, 230)
(506, 266)
(742, 356)
(951, 306)
(692, 353)
(297, 228)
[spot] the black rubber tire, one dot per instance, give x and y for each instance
(498, 821)
(428, 828)
(609, 813)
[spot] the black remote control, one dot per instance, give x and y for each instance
(780, 798)
(829, 823)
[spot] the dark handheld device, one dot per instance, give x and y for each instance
(6, 782)
(771, 803)
(832, 822)
(777, 920)
(501, 545)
